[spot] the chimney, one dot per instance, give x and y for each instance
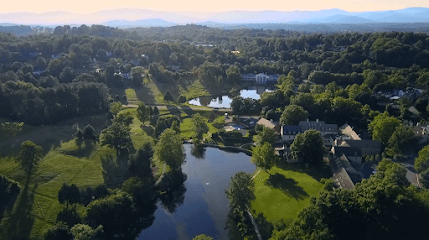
(308, 120)
(317, 120)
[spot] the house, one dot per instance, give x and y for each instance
(248, 77)
(367, 147)
(421, 133)
(320, 126)
(343, 172)
(348, 131)
(353, 154)
(269, 124)
(235, 52)
(265, 79)
(344, 162)
(288, 132)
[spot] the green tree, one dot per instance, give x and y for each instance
(155, 110)
(384, 205)
(308, 147)
(422, 161)
(168, 97)
(115, 108)
(233, 74)
(10, 129)
(199, 126)
(58, 232)
(240, 191)
(170, 150)
(202, 237)
(117, 136)
(383, 126)
(143, 113)
(140, 162)
(293, 114)
(401, 140)
(124, 118)
(264, 135)
(264, 156)
(29, 157)
(85, 232)
(116, 213)
(89, 132)
(69, 194)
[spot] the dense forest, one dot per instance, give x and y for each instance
(337, 77)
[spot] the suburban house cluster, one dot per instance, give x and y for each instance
(346, 146)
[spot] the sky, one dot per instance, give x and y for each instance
(87, 6)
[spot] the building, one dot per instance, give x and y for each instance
(421, 133)
(269, 124)
(260, 78)
(367, 147)
(348, 131)
(248, 77)
(353, 154)
(288, 132)
(320, 126)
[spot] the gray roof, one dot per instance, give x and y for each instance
(348, 151)
(318, 125)
(363, 143)
(291, 129)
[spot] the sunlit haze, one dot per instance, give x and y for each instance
(84, 6)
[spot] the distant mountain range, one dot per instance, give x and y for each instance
(126, 17)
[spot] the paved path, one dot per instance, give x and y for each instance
(254, 224)
(162, 174)
(256, 173)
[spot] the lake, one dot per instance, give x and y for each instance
(224, 101)
(205, 206)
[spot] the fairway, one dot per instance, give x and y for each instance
(37, 206)
(287, 191)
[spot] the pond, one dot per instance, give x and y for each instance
(205, 207)
(224, 101)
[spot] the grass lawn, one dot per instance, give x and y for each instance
(287, 191)
(195, 90)
(37, 206)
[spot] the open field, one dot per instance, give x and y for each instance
(287, 190)
(37, 206)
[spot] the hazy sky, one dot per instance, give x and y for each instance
(86, 6)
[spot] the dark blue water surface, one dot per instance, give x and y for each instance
(205, 207)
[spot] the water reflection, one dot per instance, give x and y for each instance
(173, 186)
(197, 204)
(225, 100)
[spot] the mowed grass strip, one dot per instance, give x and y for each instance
(37, 206)
(287, 190)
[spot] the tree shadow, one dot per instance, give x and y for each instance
(115, 170)
(265, 227)
(20, 223)
(7, 199)
(287, 185)
(145, 95)
(316, 171)
(188, 110)
(53, 135)
(174, 111)
(85, 148)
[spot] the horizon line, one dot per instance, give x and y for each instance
(211, 11)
